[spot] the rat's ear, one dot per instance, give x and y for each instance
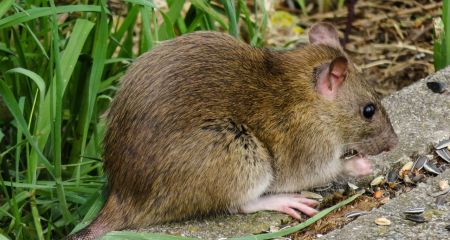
(324, 33)
(331, 78)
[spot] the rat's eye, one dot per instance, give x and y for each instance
(369, 111)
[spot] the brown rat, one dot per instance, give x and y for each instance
(205, 124)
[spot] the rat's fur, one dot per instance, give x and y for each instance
(204, 123)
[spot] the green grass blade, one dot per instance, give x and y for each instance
(13, 107)
(145, 3)
(146, 30)
(69, 58)
(44, 11)
(446, 42)
(5, 5)
(33, 76)
(56, 115)
(166, 30)
(230, 9)
(302, 225)
(168, 27)
(36, 217)
(99, 58)
(203, 6)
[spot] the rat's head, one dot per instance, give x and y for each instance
(362, 123)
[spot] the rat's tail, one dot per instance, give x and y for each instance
(108, 219)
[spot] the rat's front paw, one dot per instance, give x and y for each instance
(285, 203)
(358, 166)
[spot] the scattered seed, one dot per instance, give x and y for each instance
(418, 218)
(378, 194)
(443, 185)
(392, 176)
(417, 210)
(377, 181)
(311, 195)
(443, 144)
(421, 160)
(323, 188)
(352, 186)
(440, 193)
(418, 178)
(430, 167)
(444, 153)
(407, 179)
(354, 214)
(382, 221)
(442, 199)
(405, 169)
(437, 87)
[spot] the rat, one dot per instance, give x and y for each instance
(205, 124)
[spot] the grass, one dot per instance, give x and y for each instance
(442, 38)
(59, 67)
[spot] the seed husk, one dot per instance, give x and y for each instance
(443, 185)
(442, 199)
(430, 167)
(382, 221)
(354, 214)
(420, 162)
(323, 188)
(405, 169)
(442, 144)
(418, 218)
(417, 210)
(444, 153)
(437, 87)
(311, 195)
(352, 186)
(377, 181)
(392, 176)
(418, 177)
(440, 193)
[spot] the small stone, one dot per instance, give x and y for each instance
(382, 221)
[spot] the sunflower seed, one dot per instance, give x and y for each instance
(392, 176)
(442, 199)
(377, 181)
(414, 210)
(354, 214)
(444, 153)
(421, 160)
(382, 221)
(443, 144)
(440, 193)
(352, 186)
(311, 195)
(415, 218)
(323, 188)
(437, 87)
(405, 169)
(430, 167)
(447, 227)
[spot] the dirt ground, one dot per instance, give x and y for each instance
(391, 41)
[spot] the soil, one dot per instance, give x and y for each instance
(391, 41)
